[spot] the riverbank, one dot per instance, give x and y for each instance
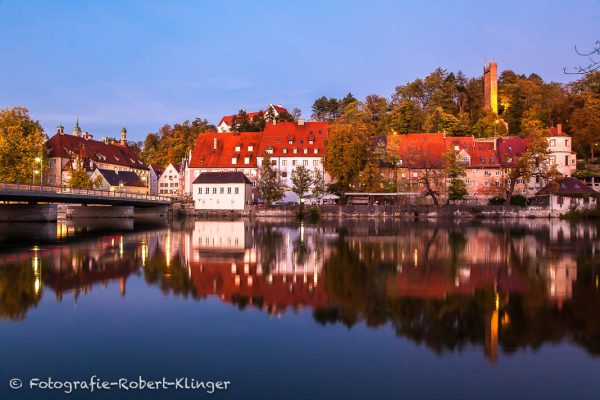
(374, 211)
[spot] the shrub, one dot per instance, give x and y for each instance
(496, 201)
(518, 200)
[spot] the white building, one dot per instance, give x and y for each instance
(293, 144)
(221, 191)
(226, 122)
(170, 182)
(565, 194)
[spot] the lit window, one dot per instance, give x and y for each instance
(295, 151)
(234, 160)
(250, 148)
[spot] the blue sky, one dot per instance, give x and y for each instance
(142, 64)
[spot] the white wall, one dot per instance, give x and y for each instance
(221, 196)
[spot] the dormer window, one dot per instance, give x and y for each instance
(238, 148)
(311, 141)
(250, 148)
(284, 151)
(269, 150)
(234, 160)
(246, 160)
(456, 147)
(290, 141)
(491, 159)
(305, 151)
(295, 151)
(316, 151)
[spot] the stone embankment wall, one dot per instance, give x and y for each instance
(380, 211)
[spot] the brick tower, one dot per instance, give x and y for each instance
(490, 86)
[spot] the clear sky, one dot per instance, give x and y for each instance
(142, 64)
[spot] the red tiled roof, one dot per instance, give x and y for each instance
(69, 146)
(229, 118)
(310, 136)
(510, 148)
(205, 156)
(418, 150)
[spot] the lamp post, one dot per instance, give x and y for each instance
(38, 160)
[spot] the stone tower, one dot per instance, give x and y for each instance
(490, 86)
(123, 141)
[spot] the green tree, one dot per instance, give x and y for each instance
(318, 189)
(270, 187)
(489, 125)
(22, 148)
(80, 178)
(454, 172)
(301, 182)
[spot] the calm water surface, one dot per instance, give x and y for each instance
(361, 309)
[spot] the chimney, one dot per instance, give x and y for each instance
(300, 122)
(123, 141)
(559, 129)
(215, 144)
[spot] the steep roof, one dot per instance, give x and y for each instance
(308, 140)
(568, 187)
(204, 154)
(115, 178)
(69, 146)
(222, 177)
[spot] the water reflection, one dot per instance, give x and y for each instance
(500, 286)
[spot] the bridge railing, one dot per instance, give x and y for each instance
(17, 187)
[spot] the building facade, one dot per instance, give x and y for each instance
(171, 181)
(221, 191)
(66, 152)
(120, 181)
(272, 110)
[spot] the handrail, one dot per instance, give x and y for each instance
(18, 187)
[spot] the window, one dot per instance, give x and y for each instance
(269, 150)
(552, 160)
(284, 150)
(519, 181)
(467, 181)
(199, 190)
(295, 151)
(315, 163)
(238, 148)
(284, 174)
(234, 160)
(214, 190)
(414, 174)
(305, 151)
(552, 142)
(253, 185)
(497, 173)
(486, 173)
(311, 141)
(237, 190)
(316, 151)
(246, 160)
(290, 141)
(273, 162)
(486, 183)
(567, 142)
(305, 163)
(222, 190)
(482, 159)
(294, 163)
(228, 190)
(509, 159)
(283, 163)
(207, 191)
(250, 148)
(566, 160)
(491, 159)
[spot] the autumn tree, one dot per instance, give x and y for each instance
(318, 189)
(22, 148)
(270, 186)
(585, 122)
(345, 154)
(370, 178)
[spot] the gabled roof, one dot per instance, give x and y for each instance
(222, 177)
(305, 139)
(568, 187)
(509, 148)
(115, 178)
(69, 146)
(204, 154)
(157, 169)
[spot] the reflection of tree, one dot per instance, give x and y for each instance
(299, 252)
(269, 241)
(17, 290)
(355, 285)
(170, 278)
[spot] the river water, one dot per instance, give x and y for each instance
(278, 309)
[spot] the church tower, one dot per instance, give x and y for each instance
(490, 86)
(76, 129)
(123, 141)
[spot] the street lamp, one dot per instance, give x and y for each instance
(38, 160)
